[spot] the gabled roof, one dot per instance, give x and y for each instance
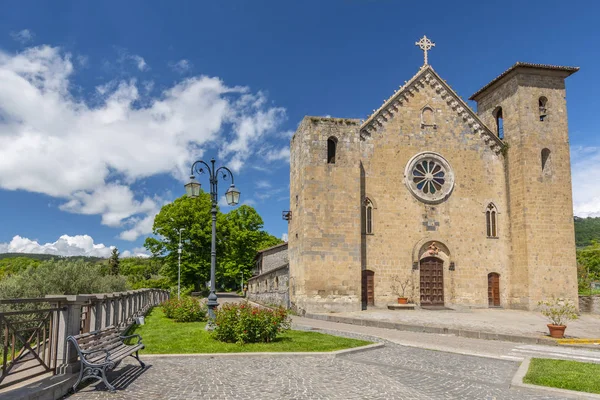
(427, 76)
(273, 247)
(519, 64)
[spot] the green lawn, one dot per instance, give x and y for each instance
(164, 336)
(564, 374)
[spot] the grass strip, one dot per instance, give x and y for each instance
(563, 374)
(164, 336)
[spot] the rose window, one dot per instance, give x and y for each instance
(429, 177)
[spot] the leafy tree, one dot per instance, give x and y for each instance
(588, 266)
(244, 237)
(590, 257)
(239, 237)
(194, 215)
(113, 262)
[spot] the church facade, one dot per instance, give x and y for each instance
(461, 208)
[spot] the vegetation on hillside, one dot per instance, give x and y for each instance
(240, 235)
(586, 231)
(60, 277)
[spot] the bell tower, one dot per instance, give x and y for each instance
(526, 107)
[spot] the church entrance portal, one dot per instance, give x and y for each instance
(432, 282)
(368, 287)
(494, 289)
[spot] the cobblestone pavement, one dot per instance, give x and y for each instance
(392, 372)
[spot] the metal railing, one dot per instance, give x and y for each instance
(33, 332)
(28, 339)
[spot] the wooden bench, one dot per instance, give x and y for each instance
(101, 351)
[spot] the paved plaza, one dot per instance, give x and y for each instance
(411, 366)
(392, 372)
(510, 322)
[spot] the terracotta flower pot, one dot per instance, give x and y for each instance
(402, 300)
(557, 331)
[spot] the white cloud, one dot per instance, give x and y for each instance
(585, 163)
(78, 245)
(282, 154)
(140, 62)
(55, 143)
(262, 185)
(284, 237)
(23, 36)
(181, 66)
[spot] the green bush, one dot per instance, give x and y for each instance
(60, 277)
(186, 309)
(242, 323)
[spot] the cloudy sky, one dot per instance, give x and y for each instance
(105, 105)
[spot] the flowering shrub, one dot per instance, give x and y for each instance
(558, 311)
(186, 309)
(242, 323)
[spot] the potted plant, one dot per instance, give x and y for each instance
(558, 311)
(399, 286)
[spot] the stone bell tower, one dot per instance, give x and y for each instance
(526, 107)
(324, 232)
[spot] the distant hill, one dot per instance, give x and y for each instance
(45, 257)
(586, 230)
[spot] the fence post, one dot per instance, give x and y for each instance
(69, 322)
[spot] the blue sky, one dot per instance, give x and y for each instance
(104, 105)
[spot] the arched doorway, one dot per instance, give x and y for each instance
(494, 289)
(368, 287)
(432, 281)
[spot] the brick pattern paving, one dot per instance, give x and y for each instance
(392, 372)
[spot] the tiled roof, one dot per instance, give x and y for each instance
(519, 64)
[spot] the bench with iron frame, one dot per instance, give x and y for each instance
(101, 351)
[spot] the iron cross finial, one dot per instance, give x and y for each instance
(425, 44)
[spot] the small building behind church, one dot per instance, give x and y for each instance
(269, 283)
(471, 208)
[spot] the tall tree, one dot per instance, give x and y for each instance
(113, 262)
(244, 237)
(239, 237)
(194, 215)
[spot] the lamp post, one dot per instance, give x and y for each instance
(179, 266)
(232, 195)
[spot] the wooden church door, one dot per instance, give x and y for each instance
(494, 289)
(432, 281)
(368, 287)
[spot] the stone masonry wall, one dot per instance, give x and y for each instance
(271, 288)
(540, 201)
(274, 258)
(589, 304)
(324, 233)
(404, 225)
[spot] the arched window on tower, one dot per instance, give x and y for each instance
(368, 217)
(331, 149)
(546, 161)
(543, 103)
(499, 122)
(427, 117)
(491, 221)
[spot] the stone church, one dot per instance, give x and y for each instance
(464, 208)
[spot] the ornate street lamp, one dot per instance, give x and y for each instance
(232, 196)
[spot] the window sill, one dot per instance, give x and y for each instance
(493, 237)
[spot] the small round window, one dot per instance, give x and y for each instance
(429, 177)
